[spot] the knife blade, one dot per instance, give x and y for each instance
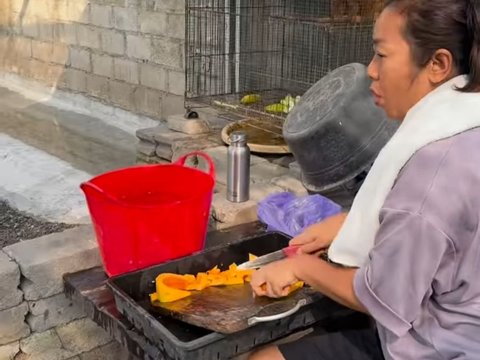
(269, 258)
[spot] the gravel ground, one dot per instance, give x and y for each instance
(16, 226)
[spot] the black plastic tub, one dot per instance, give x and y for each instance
(178, 340)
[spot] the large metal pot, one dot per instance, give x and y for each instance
(336, 131)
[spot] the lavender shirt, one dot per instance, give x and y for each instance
(422, 283)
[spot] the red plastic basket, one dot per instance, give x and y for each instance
(145, 215)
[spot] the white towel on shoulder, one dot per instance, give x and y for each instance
(443, 113)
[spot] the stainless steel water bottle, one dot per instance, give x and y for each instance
(238, 168)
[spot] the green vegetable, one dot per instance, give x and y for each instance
(250, 99)
(276, 108)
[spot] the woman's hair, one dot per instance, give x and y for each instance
(453, 25)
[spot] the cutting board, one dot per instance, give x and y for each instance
(230, 309)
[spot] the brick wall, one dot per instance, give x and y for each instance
(125, 53)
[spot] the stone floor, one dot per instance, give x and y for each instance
(84, 142)
(45, 153)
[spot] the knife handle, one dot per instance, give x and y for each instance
(291, 250)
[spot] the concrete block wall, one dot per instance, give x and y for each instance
(37, 321)
(125, 53)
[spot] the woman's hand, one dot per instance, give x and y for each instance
(274, 280)
(318, 237)
(336, 282)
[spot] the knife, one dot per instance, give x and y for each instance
(269, 258)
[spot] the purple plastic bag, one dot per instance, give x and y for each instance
(291, 215)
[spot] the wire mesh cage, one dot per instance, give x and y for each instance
(270, 48)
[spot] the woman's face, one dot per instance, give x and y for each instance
(397, 83)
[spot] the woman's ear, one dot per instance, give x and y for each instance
(441, 67)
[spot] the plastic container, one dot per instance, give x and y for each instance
(179, 340)
(146, 215)
(336, 131)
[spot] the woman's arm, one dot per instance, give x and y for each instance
(319, 236)
(331, 280)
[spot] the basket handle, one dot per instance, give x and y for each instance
(206, 157)
(259, 319)
(89, 186)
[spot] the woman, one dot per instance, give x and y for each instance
(413, 252)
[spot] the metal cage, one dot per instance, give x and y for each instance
(272, 48)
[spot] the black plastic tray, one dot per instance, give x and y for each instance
(178, 340)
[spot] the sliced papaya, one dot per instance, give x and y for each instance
(200, 283)
(216, 279)
(170, 287)
(214, 271)
(176, 281)
(234, 279)
(291, 289)
(173, 287)
(296, 286)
